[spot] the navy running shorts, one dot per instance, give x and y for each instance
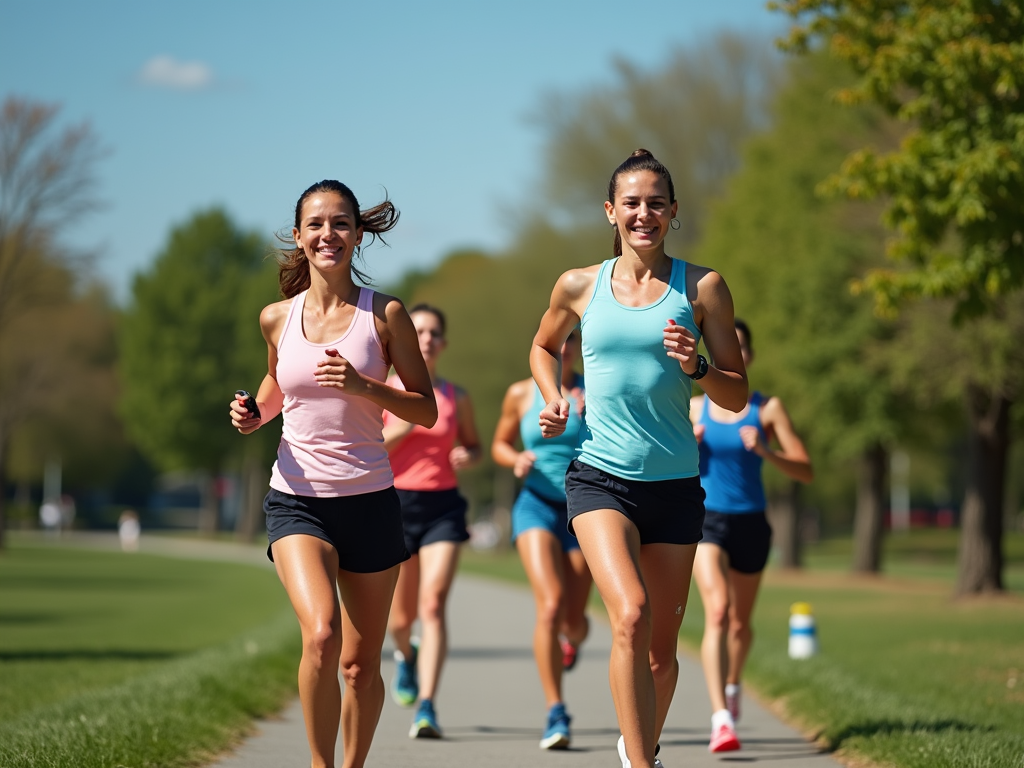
(433, 516)
(365, 529)
(746, 538)
(532, 510)
(663, 511)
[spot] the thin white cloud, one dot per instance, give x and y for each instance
(168, 72)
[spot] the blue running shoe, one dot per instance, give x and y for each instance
(556, 734)
(424, 723)
(405, 686)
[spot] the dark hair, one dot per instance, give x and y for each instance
(640, 160)
(742, 326)
(421, 307)
(293, 272)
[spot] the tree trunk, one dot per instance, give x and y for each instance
(254, 488)
(980, 557)
(208, 511)
(784, 515)
(870, 515)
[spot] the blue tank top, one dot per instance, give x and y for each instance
(547, 477)
(730, 474)
(638, 398)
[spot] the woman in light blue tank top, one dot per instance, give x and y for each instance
(634, 495)
(734, 549)
(552, 559)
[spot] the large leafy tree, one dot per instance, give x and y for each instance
(789, 256)
(954, 191)
(189, 339)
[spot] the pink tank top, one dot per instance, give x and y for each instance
(331, 443)
(420, 461)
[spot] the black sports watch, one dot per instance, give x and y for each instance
(702, 368)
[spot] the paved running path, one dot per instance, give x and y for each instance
(492, 711)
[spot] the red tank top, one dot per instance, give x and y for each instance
(420, 462)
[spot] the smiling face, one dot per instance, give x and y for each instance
(642, 210)
(327, 231)
(430, 334)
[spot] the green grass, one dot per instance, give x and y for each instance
(906, 676)
(131, 659)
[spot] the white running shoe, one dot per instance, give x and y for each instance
(621, 747)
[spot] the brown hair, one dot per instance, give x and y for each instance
(640, 160)
(293, 268)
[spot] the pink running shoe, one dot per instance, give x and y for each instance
(723, 739)
(569, 653)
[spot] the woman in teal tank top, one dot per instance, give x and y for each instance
(634, 496)
(552, 559)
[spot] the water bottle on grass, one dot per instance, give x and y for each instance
(803, 635)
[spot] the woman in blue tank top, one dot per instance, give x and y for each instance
(634, 495)
(554, 564)
(732, 554)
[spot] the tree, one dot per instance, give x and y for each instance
(46, 183)
(191, 338)
(788, 257)
(954, 188)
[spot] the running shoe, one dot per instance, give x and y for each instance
(625, 760)
(405, 686)
(424, 723)
(732, 703)
(569, 653)
(556, 734)
(723, 739)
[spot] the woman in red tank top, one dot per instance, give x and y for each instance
(434, 516)
(333, 516)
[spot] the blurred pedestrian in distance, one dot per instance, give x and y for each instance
(551, 556)
(425, 461)
(129, 530)
(634, 495)
(736, 537)
(333, 517)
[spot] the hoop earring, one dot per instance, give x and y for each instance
(676, 224)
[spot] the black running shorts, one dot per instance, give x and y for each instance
(746, 538)
(664, 511)
(365, 529)
(432, 516)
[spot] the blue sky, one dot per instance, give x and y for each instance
(243, 105)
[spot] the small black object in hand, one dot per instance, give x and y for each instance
(250, 404)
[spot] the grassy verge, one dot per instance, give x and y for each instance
(907, 677)
(112, 659)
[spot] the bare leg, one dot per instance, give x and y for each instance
(666, 569)
(365, 601)
(575, 626)
(711, 570)
(438, 562)
(743, 589)
(541, 554)
(403, 607)
(308, 566)
(611, 544)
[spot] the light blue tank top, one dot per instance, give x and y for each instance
(730, 474)
(638, 398)
(547, 477)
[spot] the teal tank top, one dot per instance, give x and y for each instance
(638, 398)
(547, 477)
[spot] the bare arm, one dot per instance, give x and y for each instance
(726, 379)
(269, 397)
(468, 451)
(792, 460)
(568, 300)
(503, 447)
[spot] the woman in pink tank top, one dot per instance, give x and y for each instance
(333, 516)
(434, 515)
